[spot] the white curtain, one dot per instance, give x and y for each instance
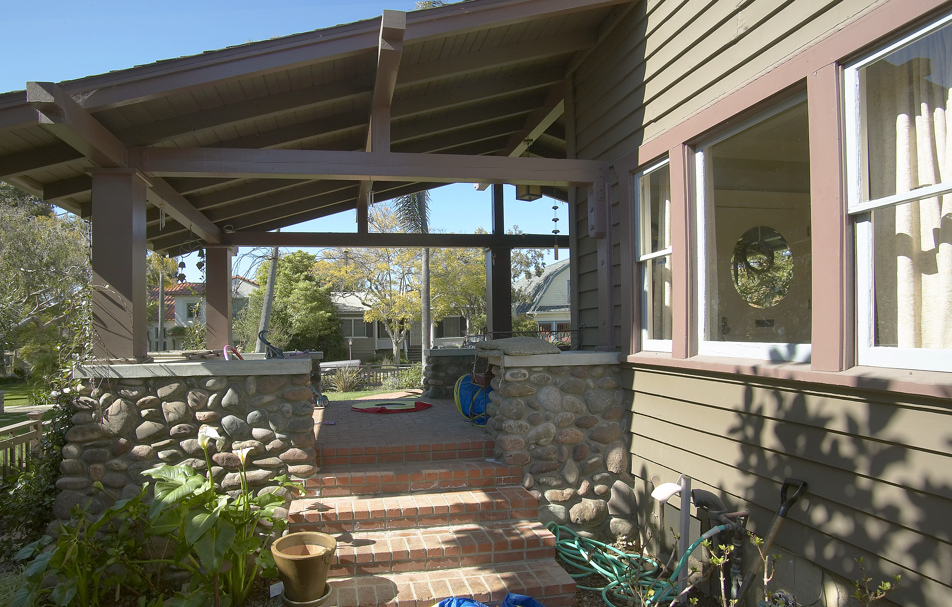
(910, 146)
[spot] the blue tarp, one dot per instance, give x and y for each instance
(511, 600)
(471, 400)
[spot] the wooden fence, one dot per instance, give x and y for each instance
(17, 442)
(374, 376)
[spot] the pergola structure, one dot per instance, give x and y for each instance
(217, 150)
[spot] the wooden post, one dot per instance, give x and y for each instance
(119, 251)
(217, 298)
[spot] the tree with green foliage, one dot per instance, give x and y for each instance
(44, 262)
(386, 280)
(303, 317)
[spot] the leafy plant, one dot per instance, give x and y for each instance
(864, 595)
(344, 379)
(212, 528)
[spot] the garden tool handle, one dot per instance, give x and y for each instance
(787, 502)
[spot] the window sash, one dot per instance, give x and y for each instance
(860, 207)
(646, 256)
(704, 195)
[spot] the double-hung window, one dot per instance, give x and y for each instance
(899, 170)
(653, 191)
(754, 245)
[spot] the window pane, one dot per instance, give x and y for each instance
(906, 95)
(658, 283)
(758, 257)
(913, 274)
(655, 194)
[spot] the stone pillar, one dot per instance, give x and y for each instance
(562, 418)
(218, 298)
(119, 293)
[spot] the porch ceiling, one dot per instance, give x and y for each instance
(478, 78)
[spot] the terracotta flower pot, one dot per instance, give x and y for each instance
(303, 559)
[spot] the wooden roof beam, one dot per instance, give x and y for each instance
(393, 26)
(538, 122)
(20, 163)
(62, 116)
(333, 239)
(384, 166)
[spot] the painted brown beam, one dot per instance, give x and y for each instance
(335, 239)
(393, 26)
(267, 206)
(180, 209)
(483, 114)
(66, 188)
(321, 129)
(538, 122)
(61, 115)
(48, 156)
(383, 166)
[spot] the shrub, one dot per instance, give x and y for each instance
(344, 379)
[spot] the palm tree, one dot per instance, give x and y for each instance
(414, 213)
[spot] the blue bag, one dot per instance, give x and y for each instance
(471, 400)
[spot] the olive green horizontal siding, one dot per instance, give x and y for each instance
(878, 465)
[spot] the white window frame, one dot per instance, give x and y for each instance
(733, 349)
(859, 207)
(643, 259)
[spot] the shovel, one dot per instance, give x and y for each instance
(785, 504)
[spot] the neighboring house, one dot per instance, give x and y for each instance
(549, 301)
(366, 339)
(183, 307)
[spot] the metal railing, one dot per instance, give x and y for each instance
(374, 376)
(565, 340)
(17, 442)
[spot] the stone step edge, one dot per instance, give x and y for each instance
(545, 581)
(368, 512)
(376, 552)
(412, 471)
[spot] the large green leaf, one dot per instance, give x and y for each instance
(198, 522)
(213, 545)
(167, 522)
(64, 592)
(173, 484)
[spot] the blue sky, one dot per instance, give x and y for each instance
(64, 40)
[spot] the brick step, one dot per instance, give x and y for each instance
(346, 456)
(410, 477)
(545, 581)
(375, 512)
(431, 548)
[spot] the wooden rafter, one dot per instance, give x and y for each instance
(332, 239)
(62, 116)
(393, 26)
(385, 166)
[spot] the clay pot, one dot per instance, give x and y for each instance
(303, 559)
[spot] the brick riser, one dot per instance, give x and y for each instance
(417, 524)
(444, 548)
(349, 513)
(404, 453)
(410, 477)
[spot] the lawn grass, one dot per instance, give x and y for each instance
(339, 396)
(16, 392)
(8, 418)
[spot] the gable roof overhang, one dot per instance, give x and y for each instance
(241, 141)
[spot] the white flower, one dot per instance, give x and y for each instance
(243, 454)
(206, 433)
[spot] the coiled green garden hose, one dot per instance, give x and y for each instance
(630, 578)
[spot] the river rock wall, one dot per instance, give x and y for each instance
(567, 426)
(122, 427)
(442, 370)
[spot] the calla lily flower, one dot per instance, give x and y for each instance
(243, 454)
(206, 434)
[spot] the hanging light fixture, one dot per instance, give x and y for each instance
(528, 192)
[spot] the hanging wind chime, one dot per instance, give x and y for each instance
(555, 228)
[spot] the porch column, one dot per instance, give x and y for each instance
(498, 273)
(217, 297)
(119, 293)
(499, 292)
